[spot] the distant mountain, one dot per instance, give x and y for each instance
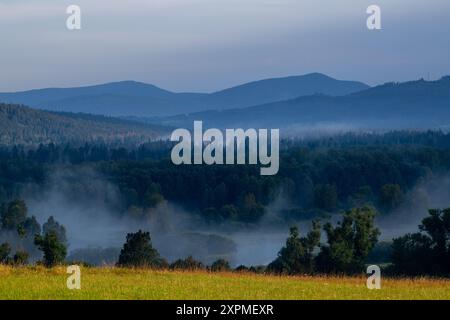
(106, 99)
(130, 98)
(278, 89)
(415, 104)
(26, 126)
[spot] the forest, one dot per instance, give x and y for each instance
(316, 177)
(320, 179)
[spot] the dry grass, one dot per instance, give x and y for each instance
(116, 283)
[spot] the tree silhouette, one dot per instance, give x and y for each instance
(297, 255)
(54, 250)
(349, 243)
(139, 252)
(427, 251)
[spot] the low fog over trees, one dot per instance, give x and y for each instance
(343, 181)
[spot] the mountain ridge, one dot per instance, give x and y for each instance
(391, 105)
(27, 126)
(132, 98)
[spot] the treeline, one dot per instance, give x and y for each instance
(313, 181)
(430, 138)
(75, 152)
(25, 126)
(23, 240)
(316, 177)
(345, 250)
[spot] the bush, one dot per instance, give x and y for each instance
(95, 256)
(187, 264)
(5, 250)
(241, 268)
(427, 251)
(220, 265)
(297, 255)
(139, 252)
(54, 250)
(258, 269)
(20, 258)
(349, 243)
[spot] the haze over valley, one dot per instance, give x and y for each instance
(97, 158)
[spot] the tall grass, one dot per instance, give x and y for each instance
(117, 283)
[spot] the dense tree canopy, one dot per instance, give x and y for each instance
(317, 176)
(427, 251)
(297, 255)
(54, 250)
(349, 243)
(138, 251)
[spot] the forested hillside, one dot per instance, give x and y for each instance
(131, 98)
(393, 106)
(26, 126)
(316, 177)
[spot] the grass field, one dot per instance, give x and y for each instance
(114, 283)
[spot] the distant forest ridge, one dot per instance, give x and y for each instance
(410, 105)
(20, 125)
(314, 105)
(316, 177)
(131, 98)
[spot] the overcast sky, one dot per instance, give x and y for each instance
(206, 45)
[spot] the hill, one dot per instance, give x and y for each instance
(278, 89)
(130, 98)
(23, 125)
(410, 105)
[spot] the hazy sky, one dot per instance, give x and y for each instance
(205, 45)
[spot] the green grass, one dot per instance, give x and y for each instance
(116, 283)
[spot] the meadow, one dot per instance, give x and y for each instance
(118, 283)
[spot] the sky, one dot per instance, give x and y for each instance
(208, 45)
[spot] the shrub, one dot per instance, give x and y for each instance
(297, 255)
(20, 258)
(427, 251)
(241, 268)
(54, 250)
(187, 264)
(139, 252)
(349, 243)
(5, 250)
(220, 265)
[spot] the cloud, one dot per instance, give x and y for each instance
(205, 45)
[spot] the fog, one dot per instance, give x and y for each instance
(91, 209)
(430, 193)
